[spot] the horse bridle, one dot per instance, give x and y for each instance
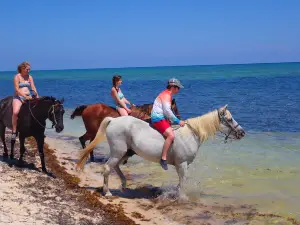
(224, 121)
(52, 108)
(50, 111)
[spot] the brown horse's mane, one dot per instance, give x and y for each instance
(145, 108)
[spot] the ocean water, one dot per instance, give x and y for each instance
(262, 169)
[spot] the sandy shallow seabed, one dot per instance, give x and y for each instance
(28, 196)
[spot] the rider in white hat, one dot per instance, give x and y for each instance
(161, 113)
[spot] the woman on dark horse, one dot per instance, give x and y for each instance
(24, 86)
(119, 97)
(28, 116)
(32, 122)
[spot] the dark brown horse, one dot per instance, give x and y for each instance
(32, 122)
(93, 115)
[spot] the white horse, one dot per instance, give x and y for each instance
(126, 132)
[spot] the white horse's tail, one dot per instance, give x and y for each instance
(84, 154)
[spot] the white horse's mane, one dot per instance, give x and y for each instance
(204, 126)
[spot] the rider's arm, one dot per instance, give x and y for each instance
(126, 101)
(166, 106)
(33, 86)
(16, 85)
(114, 93)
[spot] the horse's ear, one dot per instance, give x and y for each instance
(223, 109)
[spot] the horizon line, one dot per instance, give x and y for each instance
(133, 67)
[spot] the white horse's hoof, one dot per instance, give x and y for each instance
(183, 197)
(108, 194)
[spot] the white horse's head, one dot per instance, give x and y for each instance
(228, 125)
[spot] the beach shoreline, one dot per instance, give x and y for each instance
(81, 191)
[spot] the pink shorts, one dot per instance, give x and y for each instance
(161, 125)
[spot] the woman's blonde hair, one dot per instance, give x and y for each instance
(22, 66)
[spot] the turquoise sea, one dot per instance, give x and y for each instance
(262, 169)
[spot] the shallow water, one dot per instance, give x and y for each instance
(258, 170)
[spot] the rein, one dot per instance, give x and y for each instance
(222, 119)
(192, 129)
(52, 111)
(189, 126)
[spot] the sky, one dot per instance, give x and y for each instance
(104, 34)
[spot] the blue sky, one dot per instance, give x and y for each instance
(95, 34)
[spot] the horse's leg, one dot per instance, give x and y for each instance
(111, 163)
(120, 174)
(40, 143)
(129, 153)
(2, 134)
(83, 139)
(22, 148)
(12, 147)
(92, 158)
(181, 170)
(124, 160)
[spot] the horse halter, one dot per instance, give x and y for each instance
(50, 111)
(225, 122)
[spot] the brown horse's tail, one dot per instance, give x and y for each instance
(78, 111)
(84, 154)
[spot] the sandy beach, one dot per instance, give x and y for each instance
(28, 196)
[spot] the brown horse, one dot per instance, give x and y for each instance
(93, 115)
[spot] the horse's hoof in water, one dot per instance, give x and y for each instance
(11, 157)
(183, 198)
(5, 155)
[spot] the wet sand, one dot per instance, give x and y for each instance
(27, 196)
